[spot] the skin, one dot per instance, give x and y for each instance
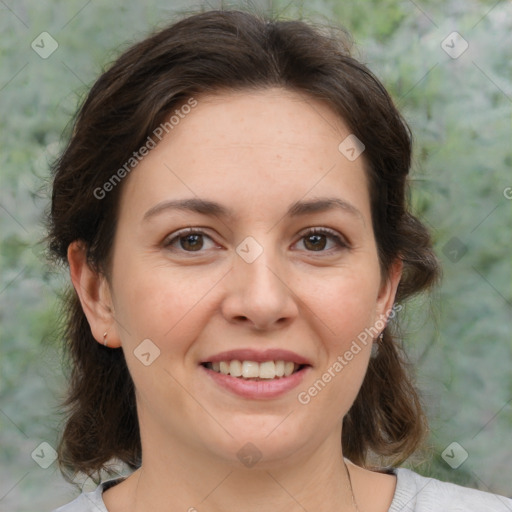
(257, 153)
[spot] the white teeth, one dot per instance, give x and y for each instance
(288, 368)
(254, 370)
(279, 368)
(250, 369)
(267, 370)
(235, 368)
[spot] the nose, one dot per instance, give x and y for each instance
(259, 295)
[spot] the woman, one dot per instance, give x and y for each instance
(232, 206)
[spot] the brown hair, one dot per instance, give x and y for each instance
(199, 54)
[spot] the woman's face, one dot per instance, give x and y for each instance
(280, 265)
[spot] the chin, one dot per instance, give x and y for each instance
(262, 447)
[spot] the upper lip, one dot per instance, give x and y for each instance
(258, 356)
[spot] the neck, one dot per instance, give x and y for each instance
(191, 482)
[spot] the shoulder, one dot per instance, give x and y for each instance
(90, 501)
(416, 493)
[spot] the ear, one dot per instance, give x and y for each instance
(387, 292)
(94, 294)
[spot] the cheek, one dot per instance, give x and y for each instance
(161, 303)
(346, 303)
(345, 313)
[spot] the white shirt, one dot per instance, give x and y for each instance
(413, 493)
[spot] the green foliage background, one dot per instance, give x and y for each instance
(459, 111)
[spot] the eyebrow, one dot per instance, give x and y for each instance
(206, 207)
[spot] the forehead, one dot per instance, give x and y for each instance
(259, 116)
(250, 145)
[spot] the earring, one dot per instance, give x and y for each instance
(105, 338)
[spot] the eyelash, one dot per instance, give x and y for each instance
(339, 241)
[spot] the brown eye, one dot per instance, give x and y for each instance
(189, 240)
(317, 240)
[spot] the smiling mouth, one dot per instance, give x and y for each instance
(252, 370)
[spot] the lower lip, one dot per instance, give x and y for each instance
(258, 389)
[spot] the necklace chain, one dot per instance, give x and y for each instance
(351, 488)
(349, 483)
